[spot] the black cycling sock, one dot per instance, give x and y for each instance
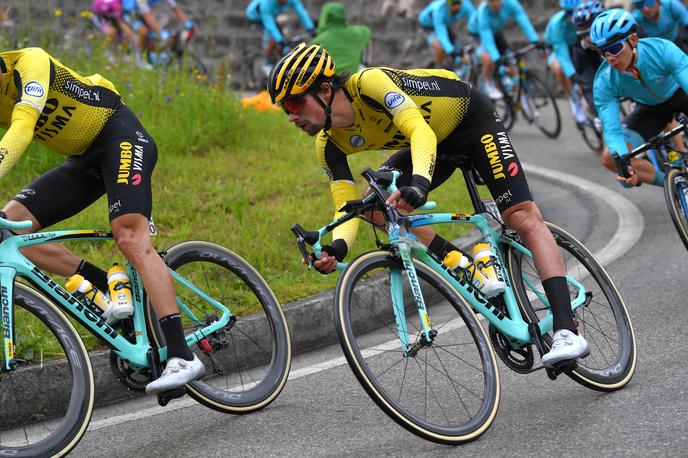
(557, 292)
(441, 247)
(95, 275)
(174, 336)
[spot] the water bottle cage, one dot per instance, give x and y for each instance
(121, 285)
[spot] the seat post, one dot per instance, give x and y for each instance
(469, 178)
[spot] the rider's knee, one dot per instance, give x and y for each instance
(606, 159)
(131, 233)
(524, 218)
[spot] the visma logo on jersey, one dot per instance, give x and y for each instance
(393, 99)
(34, 89)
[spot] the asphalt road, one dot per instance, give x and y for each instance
(327, 413)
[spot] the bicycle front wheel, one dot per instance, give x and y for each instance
(47, 401)
(591, 136)
(248, 362)
(604, 321)
(540, 106)
(676, 196)
(448, 391)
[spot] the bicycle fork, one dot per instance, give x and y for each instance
(7, 315)
(396, 289)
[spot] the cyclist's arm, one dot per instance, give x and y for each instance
(334, 163)
(269, 21)
(561, 51)
(32, 72)
(677, 63)
(303, 15)
(407, 117)
(680, 12)
(181, 16)
(609, 112)
(523, 21)
(440, 28)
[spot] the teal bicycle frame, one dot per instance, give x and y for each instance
(513, 327)
(13, 263)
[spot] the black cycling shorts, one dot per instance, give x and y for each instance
(500, 41)
(649, 120)
(481, 139)
(120, 163)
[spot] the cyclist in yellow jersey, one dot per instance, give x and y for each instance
(108, 151)
(433, 120)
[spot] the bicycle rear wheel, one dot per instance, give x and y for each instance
(541, 106)
(449, 391)
(249, 362)
(47, 401)
(676, 196)
(604, 322)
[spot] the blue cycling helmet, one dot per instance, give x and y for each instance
(612, 26)
(568, 5)
(586, 12)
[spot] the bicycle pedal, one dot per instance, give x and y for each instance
(166, 396)
(561, 367)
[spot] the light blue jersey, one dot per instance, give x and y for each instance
(485, 23)
(672, 14)
(437, 16)
(560, 34)
(142, 6)
(266, 11)
(663, 68)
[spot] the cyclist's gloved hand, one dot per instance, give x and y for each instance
(539, 45)
(188, 25)
(329, 256)
(188, 31)
(417, 194)
(313, 33)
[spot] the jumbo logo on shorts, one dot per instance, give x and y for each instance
(34, 89)
(124, 163)
(356, 140)
(393, 99)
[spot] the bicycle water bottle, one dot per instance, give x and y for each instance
(463, 266)
(85, 291)
(486, 261)
(674, 158)
(120, 291)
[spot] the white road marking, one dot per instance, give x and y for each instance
(629, 229)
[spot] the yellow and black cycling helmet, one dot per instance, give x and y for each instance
(296, 72)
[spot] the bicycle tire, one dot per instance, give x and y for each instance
(479, 402)
(541, 105)
(72, 398)
(591, 136)
(262, 335)
(614, 366)
(186, 61)
(673, 195)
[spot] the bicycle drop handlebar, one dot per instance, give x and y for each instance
(14, 225)
(624, 162)
(382, 185)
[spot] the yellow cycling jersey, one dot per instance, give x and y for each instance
(394, 109)
(42, 99)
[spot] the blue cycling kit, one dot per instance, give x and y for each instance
(672, 14)
(142, 6)
(560, 34)
(663, 67)
(437, 16)
(485, 23)
(266, 11)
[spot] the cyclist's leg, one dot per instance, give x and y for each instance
(558, 72)
(39, 203)
(128, 156)
(483, 137)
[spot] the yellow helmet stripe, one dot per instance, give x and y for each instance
(290, 74)
(293, 54)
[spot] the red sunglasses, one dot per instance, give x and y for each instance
(294, 104)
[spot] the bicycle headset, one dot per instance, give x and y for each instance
(301, 71)
(612, 26)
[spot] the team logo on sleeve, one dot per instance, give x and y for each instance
(356, 140)
(393, 99)
(34, 89)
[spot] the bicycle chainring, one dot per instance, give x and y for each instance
(132, 379)
(519, 360)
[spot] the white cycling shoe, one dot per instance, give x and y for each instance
(178, 372)
(565, 345)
